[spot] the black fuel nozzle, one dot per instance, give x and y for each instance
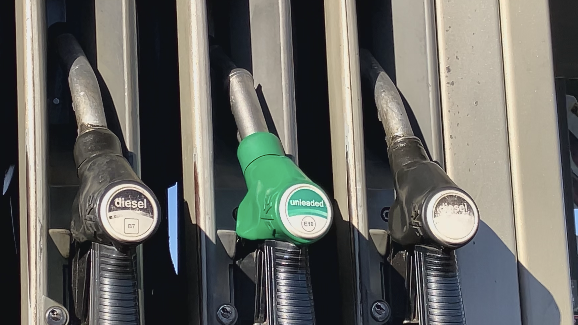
(430, 216)
(114, 206)
(429, 207)
(113, 211)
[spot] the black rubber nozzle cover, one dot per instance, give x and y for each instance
(416, 180)
(100, 164)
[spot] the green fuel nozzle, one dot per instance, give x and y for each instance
(283, 209)
(281, 202)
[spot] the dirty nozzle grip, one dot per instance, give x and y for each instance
(429, 206)
(114, 206)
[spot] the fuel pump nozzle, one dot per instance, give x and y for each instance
(113, 211)
(283, 209)
(431, 215)
(429, 207)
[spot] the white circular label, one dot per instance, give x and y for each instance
(129, 213)
(308, 224)
(452, 217)
(305, 211)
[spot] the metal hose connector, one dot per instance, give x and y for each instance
(439, 295)
(391, 110)
(84, 88)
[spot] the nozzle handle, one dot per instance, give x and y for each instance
(284, 294)
(429, 207)
(439, 296)
(113, 287)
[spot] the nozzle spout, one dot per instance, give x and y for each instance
(242, 95)
(84, 88)
(390, 107)
(245, 104)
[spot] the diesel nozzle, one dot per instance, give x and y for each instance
(113, 211)
(431, 215)
(429, 207)
(106, 178)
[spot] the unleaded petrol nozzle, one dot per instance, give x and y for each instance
(281, 201)
(429, 207)
(283, 209)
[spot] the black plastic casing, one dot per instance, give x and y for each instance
(416, 180)
(101, 165)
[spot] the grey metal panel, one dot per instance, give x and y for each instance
(117, 63)
(416, 67)
(213, 182)
(197, 146)
(32, 156)
(535, 163)
(268, 54)
(347, 146)
(116, 38)
(477, 154)
(262, 43)
(361, 202)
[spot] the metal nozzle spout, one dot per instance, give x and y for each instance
(244, 101)
(390, 107)
(84, 88)
(245, 104)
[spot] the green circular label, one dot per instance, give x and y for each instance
(307, 213)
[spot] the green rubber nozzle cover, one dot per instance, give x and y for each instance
(281, 202)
